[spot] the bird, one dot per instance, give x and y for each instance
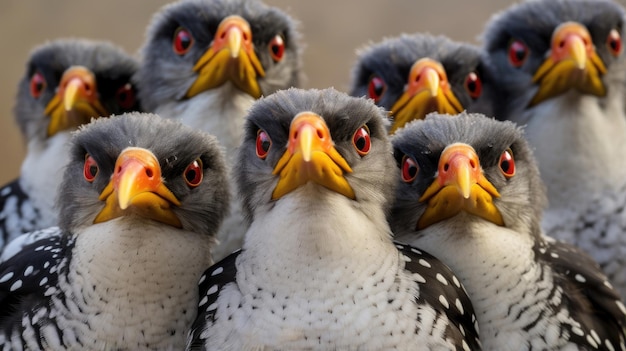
(140, 203)
(206, 61)
(412, 75)
(318, 269)
(67, 82)
(561, 72)
(470, 193)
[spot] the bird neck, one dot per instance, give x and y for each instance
(220, 112)
(579, 143)
(42, 172)
(128, 273)
(300, 242)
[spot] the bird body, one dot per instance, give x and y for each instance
(136, 229)
(289, 307)
(560, 71)
(102, 301)
(67, 83)
(318, 269)
(206, 61)
(471, 194)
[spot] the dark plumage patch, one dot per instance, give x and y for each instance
(211, 284)
(18, 215)
(28, 278)
(440, 288)
(588, 295)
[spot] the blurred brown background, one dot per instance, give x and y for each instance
(332, 31)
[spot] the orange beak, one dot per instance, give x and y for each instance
(231, 57)
(311, 157)
(459, 186)
(572, 63)
(428, 90)
(75, 102)
(136, 187)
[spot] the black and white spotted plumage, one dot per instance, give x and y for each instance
(383, 72)
(578, 129)
(166, 76)
(130, 281)
(27, 203)
(529, 291)
(318, 269)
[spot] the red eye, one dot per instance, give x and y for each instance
(263, 144)
(90, 170)
(409, 169)
(361, 141)
(614, 42)
(473, 85)
(193, 173)
(277, 48)
(182, 41)
(507, 163)
(37, 84)
(125, 96)
(376, 88)
(518, 52)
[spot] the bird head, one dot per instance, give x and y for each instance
(413, 75)
(545, 49)
(462, 169)
(198, 46)
(143, 166)
(320, 140)
(69, 82)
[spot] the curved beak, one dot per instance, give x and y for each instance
(75, 102)
(460, 186)
(231, 57)
(427, 90)
(136, 187)
(311, 157)
(572, 63)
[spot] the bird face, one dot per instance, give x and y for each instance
(197, 46)
(230, 57)
(137, 186)
(468, 164)
(323, 141)
(311, 156)
(75, 102)
(139, 165)
(545, 49)
(419, 74)
(460, 185)
(427, 91)
(572, 63)
(68, 82)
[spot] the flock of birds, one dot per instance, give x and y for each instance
(196, 199)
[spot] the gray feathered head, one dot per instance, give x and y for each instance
(181, 174)
(196, 45)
